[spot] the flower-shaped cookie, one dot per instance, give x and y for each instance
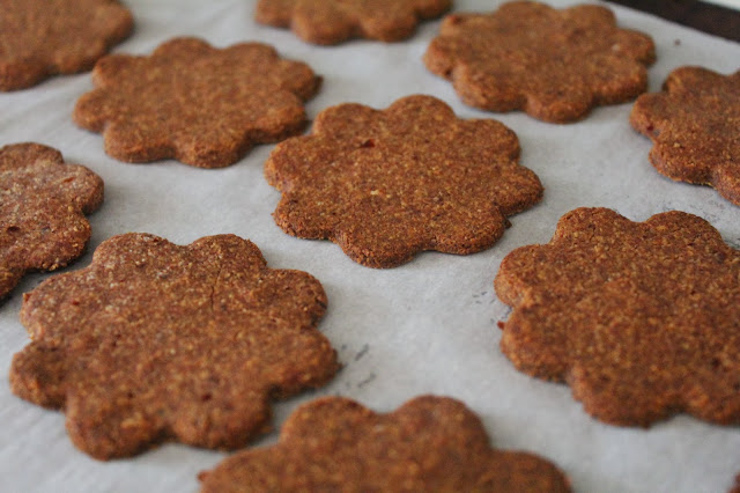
(155, 341)
(43, 203)
(695, 128)
(428, 444)
(203, 106)
(328, 22)
(39, 38)
(387, 184)
(642, 320)
(554, 64)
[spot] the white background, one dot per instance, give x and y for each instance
(426, 327)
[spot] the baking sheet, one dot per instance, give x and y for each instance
(426, 327)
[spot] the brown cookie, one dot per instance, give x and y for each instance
(39, 38)
(155, 341)
(736, 488)
(203, 106)
(428, 444)
(387, 184)
(640, 319)
(328, 22)
(695, 128)
(43, 203)
(554, 64)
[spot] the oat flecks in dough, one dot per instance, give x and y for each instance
(428, 444)
(556, 65)
(695, 128)
(204, 106)
(43, 202)
(640, 319)
(40, 38)
(156, 342)
(387, 184)
(329, 22)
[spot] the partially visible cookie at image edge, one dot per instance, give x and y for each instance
(328, 22)
(428, 444)
(694, 124)
(554, 64)
(43, 202)
(639, 318)
(387, 184)
(40, 38)
(156, 342)
(204, 106)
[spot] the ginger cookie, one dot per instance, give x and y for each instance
(156, 342)
(556, 65)
(695, 128)
(429, 444)
(43, 202)
(329, 22)
(639, 318)
(200, 105)
(40, 38)
(386, 184)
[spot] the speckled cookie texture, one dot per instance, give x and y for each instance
(43, 202)
(387, 184)
(40, 38)
(328, 22)
(641, 319)
(201, 105)
(432, 444)
(694, 124)
(156, 342)
(556, 65)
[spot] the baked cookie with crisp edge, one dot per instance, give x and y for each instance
(694, 124)
(428, 444)
(387, 184)
(556, 65)
(330, 22)
(204, 106)
(639, 318)
(158, 342)
(43, 203)
(41, 38)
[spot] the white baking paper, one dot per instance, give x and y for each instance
(426, 327)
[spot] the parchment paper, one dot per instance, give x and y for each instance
(426, 327)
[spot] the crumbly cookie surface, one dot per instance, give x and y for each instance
(328, 22)
(694, 124)
(387, 184)
(155, 342)
(556, 65)
(428, 444)
(43, 202)
(201, 105)
(640, 319)
(40, 38)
